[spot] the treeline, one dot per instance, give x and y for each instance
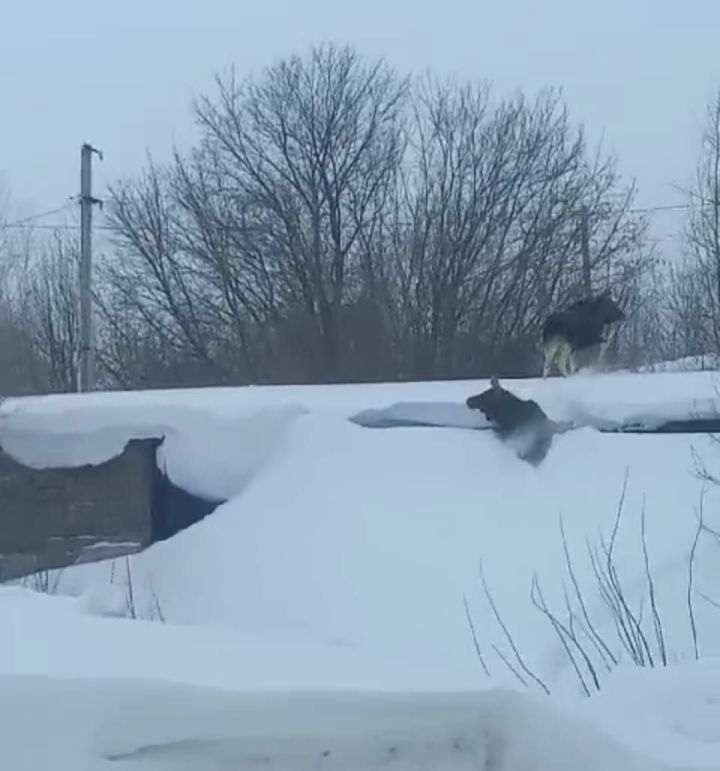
(336, 221)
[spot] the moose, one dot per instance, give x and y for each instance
(578, 328)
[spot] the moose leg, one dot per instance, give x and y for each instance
(591, 358)
(547, 363)
(600, 359)
(572, 365)
(566, 363)
(550, 350)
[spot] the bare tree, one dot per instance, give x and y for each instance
(152, 278)
(690, 301)
(23, 370)
(492, 197)
(48, 311)
(229, 239)
(701, 272)
(311, 146)
(338, 222)
(687, 331)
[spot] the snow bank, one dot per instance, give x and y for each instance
(328, 592)
(209, 455)
(77, 637)
(458, 415)
(374, 538)
(440, 414)
(93, 725)
(670, 714)
(75, 429)
(114, 693)
(708, 361)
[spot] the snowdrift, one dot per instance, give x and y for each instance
(217, 439)
(373, 540)
(209, 455)
(102, 695)
(349, 560)
(97, 725)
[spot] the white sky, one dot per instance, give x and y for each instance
(122, 75)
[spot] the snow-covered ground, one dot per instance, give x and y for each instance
(707, 361)
(329, 602)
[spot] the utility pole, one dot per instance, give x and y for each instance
(86, 378)
(585, 246)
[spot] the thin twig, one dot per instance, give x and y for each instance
(636, 634)
(600, 645)
(691, 610)
(659, 635)
(507, 663)
(709, 600)
(713, 532)
(476, 642)
(619, 609)
(507, 634)
(562, 632)
(129, 589)
(156, 602)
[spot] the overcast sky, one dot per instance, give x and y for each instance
(122, 74)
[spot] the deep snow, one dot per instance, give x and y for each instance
(126, 725)
(343, 555)
(117, 694)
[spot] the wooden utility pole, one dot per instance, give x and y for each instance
(86, 379)
(585, 246)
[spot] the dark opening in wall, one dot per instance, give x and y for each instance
(53, 518)
(174, 509)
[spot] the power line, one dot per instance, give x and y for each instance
(666, 207)
(29, 223)
(26, 222)
(15, 226)
(23, 222)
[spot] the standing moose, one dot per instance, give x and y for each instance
(578, 328)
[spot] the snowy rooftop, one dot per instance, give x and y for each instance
(347, 561)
